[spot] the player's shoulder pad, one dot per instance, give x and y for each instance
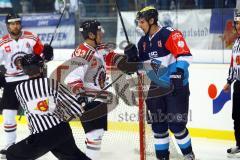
(102, 46)
(165, 32)
(84, 51)
(6, 38)
(104, 49)
(176, 34)
(27, 33)
(30, 35)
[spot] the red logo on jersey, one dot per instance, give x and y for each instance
(7, 49)
(42, 105)
(27, 45)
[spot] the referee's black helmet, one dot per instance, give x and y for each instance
(32, 64)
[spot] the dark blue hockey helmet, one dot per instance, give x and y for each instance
(147, 13)
(12, 17)
(90, 26)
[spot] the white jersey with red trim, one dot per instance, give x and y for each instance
(91, 74)
(11, 51)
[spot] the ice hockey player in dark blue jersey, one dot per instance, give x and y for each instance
(165, 49)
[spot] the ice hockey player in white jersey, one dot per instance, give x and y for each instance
(90, 77)
(48, 105)
(13, 47)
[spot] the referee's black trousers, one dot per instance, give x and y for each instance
(59, 140)
(236, 111)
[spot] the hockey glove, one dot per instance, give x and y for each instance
(82, 100)
(176, 78)
(131, 52)
(48, 52)
(125, 66)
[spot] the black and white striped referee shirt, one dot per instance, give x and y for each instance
(234, 70)
(46, 103)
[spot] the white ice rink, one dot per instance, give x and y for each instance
(123, 145)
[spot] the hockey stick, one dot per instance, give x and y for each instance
(140, 94)
(55, 31)
(101, 109)
(104, 89)
(59, 21)
(124, 28)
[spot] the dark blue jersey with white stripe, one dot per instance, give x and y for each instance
(168, 49)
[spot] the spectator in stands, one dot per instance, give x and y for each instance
(230, 3)
(124, 5)
(43, 6)
(165, 5)
(203, 4)
(72, 6)
(17, 6)
(238, 4)
(90, 7)
(225, 4)
(26, 6)
(5, 6)
(82, 8)
(186, 4)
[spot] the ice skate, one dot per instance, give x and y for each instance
(189, 156)
(3, 152)
(233, 152)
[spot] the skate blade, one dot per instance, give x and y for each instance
(237, 155)
(3, 156)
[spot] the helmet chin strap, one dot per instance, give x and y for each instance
(150, 26)
(94, 40)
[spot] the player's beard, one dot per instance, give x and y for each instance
(15, 32)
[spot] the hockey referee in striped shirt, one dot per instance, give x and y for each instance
(48, 106)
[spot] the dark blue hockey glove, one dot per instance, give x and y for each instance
(82, 100)
(48, 52)
(131, 52)
(176, 78)
(125, 66)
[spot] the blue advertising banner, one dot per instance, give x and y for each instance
(219, 19)
(44, 26)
